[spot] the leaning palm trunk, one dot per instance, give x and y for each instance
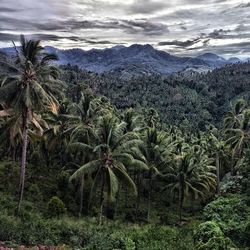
(24, 158)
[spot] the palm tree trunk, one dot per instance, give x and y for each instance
(24, 158)
(117, 200)
(192, 203)
(181, 198)
(102, 200)
(81, 196)
(138, 200)
(218, 173)
(126, 197)
(149, 195)
(13, 153)
(232, 165)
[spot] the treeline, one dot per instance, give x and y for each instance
(79, 153)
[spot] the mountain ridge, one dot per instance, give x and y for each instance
(136, 59)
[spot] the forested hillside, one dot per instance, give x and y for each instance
(93, 161)
(189, 98)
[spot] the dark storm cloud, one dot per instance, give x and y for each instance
(8, 37)
(186, 43)
(230, 49)
(12, 37)
(128, 26)
(8, 10)
(101, 42)
(220, 33)
(146, 27)
(246, 5)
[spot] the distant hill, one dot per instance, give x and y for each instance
(199, 98)
(134, 60)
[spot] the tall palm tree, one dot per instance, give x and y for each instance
(109, 162)
(233, 117)
(84, 114)
(11, 130)
(237, 130)
(191, 175)
(56, 137)
(29, 88)
(220, 151)
(133, 120)
(151, 151)
(151, 117)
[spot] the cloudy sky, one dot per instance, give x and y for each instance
(184, 27)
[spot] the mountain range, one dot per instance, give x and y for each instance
(134, 60)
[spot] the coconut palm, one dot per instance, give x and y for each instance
(151, 151)
(133, 120)
(233, 117)
(151, 118)
(220, 151)
(108, 165)
(84, 114)
(237, 130)
(29, 88)
(56, 137)
(11, 130)
(191, 175)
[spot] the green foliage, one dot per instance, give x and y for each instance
(87, 235)
(231, 184)
(230, 214)
(89, 156)
(208, 236)
(8, 176)
(199, 98)
(55, 207)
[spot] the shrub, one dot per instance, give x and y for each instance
(230, 214)
(152, 237)
(87, 235)
(55, 207)
(231, 184)
(209, 236)
(34, 192)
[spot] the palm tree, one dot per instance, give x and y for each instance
(108, 165)
(237, 130)
(151, 151)
(233, 117)
(11, 130)
(219, 150)
(84, 114)
(133, 120)
(191, 175)
(151, 117)
(27, 90)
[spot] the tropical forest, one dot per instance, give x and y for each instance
(97, 161)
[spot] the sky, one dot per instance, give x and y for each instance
(181, 27)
